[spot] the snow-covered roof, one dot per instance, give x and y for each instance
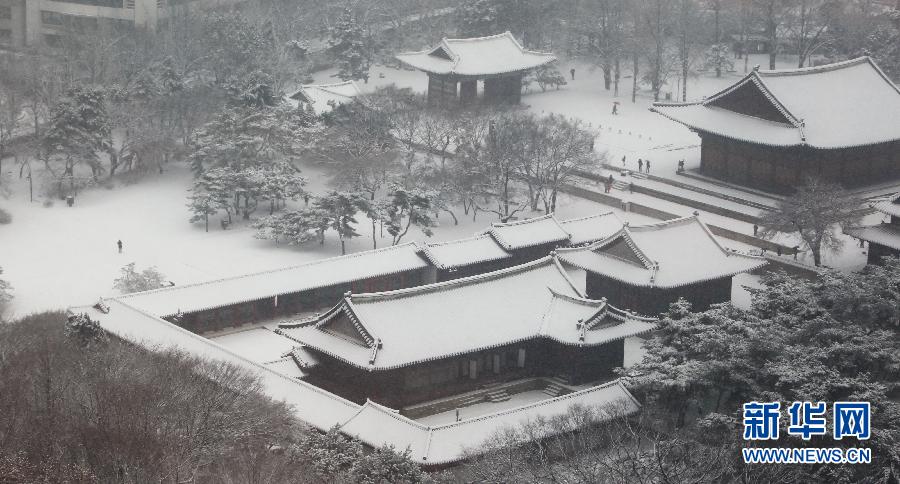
(478, 56)
(667, 254)
(528, 232)
(463, 252)
(322, 97)
(889, 206)
(377, 425)
(251, 287)
(388, 330)
(591, 228)
(371, 423)
(846, 104)
(887, 235)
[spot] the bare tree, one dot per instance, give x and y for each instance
(816, 212)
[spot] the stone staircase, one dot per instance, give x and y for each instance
(497, 396)
(554, 390)
(620, 185)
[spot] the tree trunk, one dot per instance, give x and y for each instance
(634, 78)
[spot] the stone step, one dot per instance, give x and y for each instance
(498, 396)
(561, 380)
(553, 390)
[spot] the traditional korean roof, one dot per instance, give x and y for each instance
(478, 56)
(591, 228)
(529, 232)
(377, 425)
(668, 254)
(394, 329)
(846, 104)
(371, 423)
(887, 235)
(463, 252)
(889, 206)
(251, 287)
(323, 97)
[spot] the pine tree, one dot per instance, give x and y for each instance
(351, 47)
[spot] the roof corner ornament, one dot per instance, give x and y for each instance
(756, 68)
(696, 213)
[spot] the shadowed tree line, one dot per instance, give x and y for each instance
(77, 406)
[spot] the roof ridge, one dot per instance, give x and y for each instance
(596, 215)
(270, 271)
(462, 281)
(799, 71)
(457, 241)
(522, 221)
(326, 85)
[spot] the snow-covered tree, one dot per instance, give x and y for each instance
(359, 144)
(410, 207)
(817, 211)
(12, 105)
(77, 132)
(883, 44)
(478, 18)
(718, 58)
(295, 227)
(351, 46)
(202, 205)
(340, 209)
(131, 280)
(385, 464)
(242, 136)
(6, 294)
(84, 330)
(547, 75)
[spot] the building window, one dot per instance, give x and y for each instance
(52, 40)
(51, 18)
(5, 12)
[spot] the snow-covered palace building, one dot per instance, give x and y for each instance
(455, 66)
(884, 238)
(435, 346)
(648, 267)
(773, 129)
(415, 345)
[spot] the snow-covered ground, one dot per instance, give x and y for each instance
(58, 256)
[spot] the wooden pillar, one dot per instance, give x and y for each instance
(468, 92)
(496, 366)
(492, 90)
(520, 361)
(473, 369)
(441, 91)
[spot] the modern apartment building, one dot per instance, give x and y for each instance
(26, 23)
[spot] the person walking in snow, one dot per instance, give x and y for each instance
(606, 186)
(572, 71)
(623, 161)
(648, 166)
(640, 165)
(119, 245)
(615, 107)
